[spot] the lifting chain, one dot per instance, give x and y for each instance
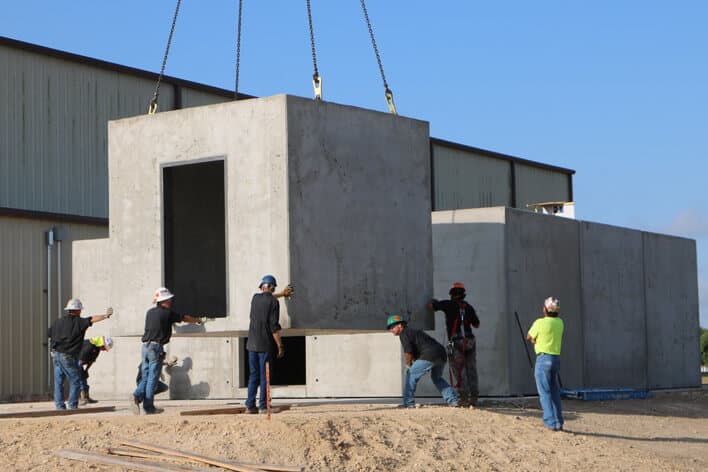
(387, 91)
(238, 46)
(152, 108)
(316, 79)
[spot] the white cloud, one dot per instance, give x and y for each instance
(690, 223)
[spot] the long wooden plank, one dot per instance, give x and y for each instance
(196, 457)
(152, 455)
(39, 413)
(234, 410)
(103, 459)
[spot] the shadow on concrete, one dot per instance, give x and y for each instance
(181, 387)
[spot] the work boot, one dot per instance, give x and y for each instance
(154, 411)
(86, 397)
(273, 410)
(252, 410)
(135, 404)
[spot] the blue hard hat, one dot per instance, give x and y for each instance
(268, 279)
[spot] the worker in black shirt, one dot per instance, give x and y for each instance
(67, 336)
(263, 331)
(423, 354)
(90, 349)
(158, 331)
(460, 318)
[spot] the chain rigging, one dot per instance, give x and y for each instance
(316, 79)
(387, 91)
(152, 108)
(238, 47)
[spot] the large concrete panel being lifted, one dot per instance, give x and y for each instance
(334, 199)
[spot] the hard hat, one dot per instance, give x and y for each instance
(552, 305)
(458, 285)
(458, 290)
(74, 304)
(162, 294)
(393, 320)
(268, 279)
(102, 341)
(107, 343)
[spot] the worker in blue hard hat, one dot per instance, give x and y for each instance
(263, 336)
(423, 354)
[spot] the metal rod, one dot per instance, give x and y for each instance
(50, 243)
(268, 388)
(59, 296)
(523, 339)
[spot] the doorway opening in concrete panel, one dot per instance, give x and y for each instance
(290, 370)
(194, 232)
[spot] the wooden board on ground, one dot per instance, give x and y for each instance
(103, 459)
(233, 410)
(226, 464)
(40, 413)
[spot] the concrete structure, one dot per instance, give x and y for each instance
(629, 298)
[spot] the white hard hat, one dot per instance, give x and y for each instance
(552, 305)
(162, 294)
(74, 304)
(107, 343)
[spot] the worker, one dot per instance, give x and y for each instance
(158, 331)
(90, 349)
(460, 318)
(423, 354)
(546, 334)
(263, 335)
(67, 336)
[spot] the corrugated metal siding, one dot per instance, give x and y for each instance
(53, 129)
(197, 98)
(23, 304)
(467, 180)
(537, 185)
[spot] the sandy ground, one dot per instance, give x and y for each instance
(668, 432)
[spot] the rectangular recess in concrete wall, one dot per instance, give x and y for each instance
(613, 306)
(194, 232)
(290, 370)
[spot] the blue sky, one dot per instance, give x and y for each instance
(617, 90)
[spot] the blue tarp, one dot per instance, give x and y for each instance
(617, 393)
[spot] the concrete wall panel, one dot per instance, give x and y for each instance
(613, 306)
(354, 365)
(671, 289)
(468, 247)
(542, 261)
(359, 212)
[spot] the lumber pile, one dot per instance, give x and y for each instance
(141, 456)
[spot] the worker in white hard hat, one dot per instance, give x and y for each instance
(67, 336)
(90, 350)
(158, 331)
(546, 334)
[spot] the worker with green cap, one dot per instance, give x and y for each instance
(423, 354)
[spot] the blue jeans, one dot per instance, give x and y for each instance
(150, 372)
(548, 385)
(416, 371)
(66, 366)
(256, 378)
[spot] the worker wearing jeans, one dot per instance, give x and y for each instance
(67, 336)
(423, 354)
(547, 334)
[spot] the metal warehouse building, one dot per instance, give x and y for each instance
(54, 190)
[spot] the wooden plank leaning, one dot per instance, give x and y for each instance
(153, 455)
(195, 457)
(103, 459)
(39, 413)
(234, 410)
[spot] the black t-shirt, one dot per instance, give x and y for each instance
(158, 324)
(453, 310)
(421, 346)
(67, 333)
(89, 353)
(265, 320)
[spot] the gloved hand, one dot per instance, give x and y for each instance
(288, 291)
(281, 351)
(109, 312)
